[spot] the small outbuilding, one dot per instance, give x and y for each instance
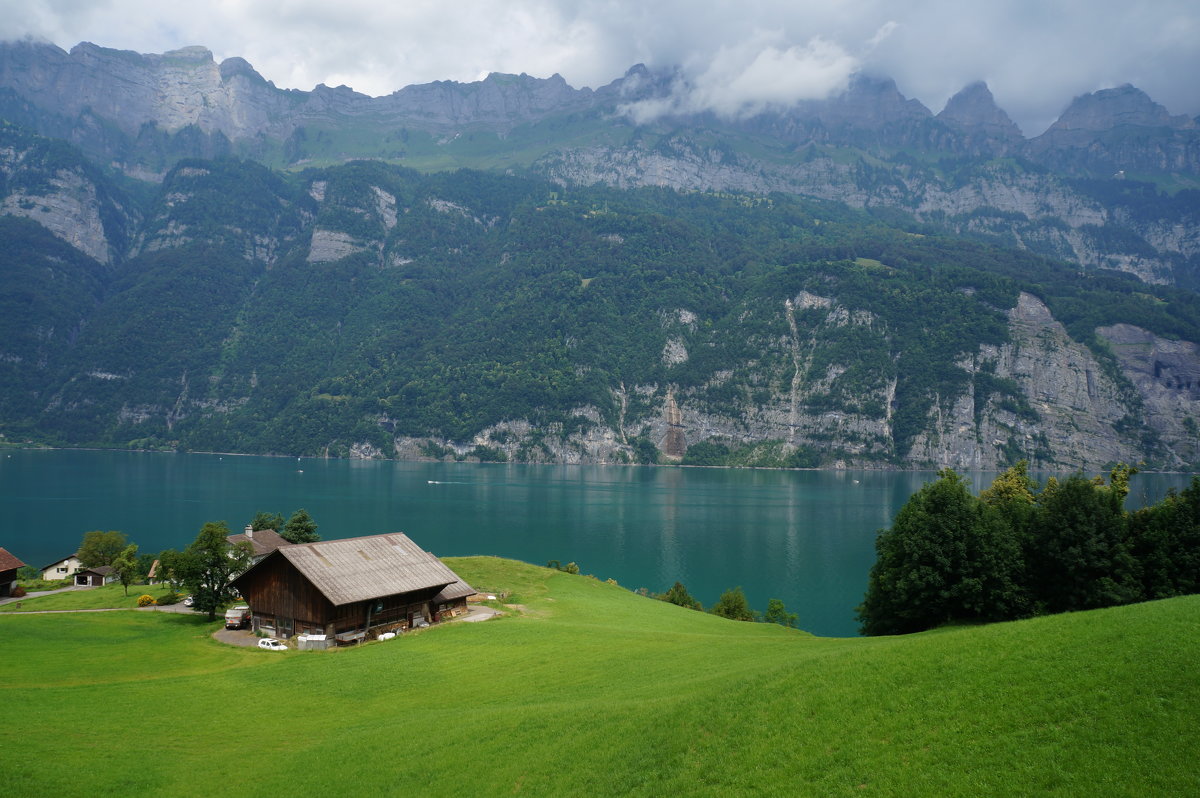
(351, 589)
(95, 577)
(9, 564)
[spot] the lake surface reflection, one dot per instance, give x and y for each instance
(806, 537)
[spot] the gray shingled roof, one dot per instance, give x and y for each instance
(358, 569)
(458, 590)
(264, 541)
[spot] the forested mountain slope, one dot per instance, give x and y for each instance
(371, 310)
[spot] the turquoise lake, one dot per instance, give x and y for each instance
(806, 537)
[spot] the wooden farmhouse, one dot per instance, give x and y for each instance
(350, 589)
(9, 565)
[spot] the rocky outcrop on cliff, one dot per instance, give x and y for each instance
(1167, 376)
(1073, 412)
(55, 187)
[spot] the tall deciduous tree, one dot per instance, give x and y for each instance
(126, 566)
(207, 565)
(168, 567)
(300, 528)
(101, 548)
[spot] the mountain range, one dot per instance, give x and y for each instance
(518, 269)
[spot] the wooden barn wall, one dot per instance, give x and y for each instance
(276, 588)
(395, 609)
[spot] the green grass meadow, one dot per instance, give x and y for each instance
(592, 690)
(106, 597)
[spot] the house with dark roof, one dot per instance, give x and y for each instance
(263, 541)
(95, 577)
(8, 572)
(351, 589)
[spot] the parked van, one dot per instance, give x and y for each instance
(237, 617)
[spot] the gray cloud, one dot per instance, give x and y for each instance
(736, 57)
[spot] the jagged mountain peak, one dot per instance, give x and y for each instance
(240, 66)
(974, 108)
(876, 99)
(1121, 106)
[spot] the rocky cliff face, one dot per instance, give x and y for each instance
(1167, 376)
(1069, 411)
(60, 191)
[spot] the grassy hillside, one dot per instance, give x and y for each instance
(595, 691)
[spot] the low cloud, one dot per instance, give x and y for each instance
(753, 76)
(733, 58)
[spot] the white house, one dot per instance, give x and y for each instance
(62, 569)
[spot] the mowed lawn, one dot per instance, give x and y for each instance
(92, 598)
(596, 691)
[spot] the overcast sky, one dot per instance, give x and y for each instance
(1036, 55)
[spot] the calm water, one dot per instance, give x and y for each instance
(806, 537)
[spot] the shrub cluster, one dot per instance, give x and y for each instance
(145, 600)
(1016, 551)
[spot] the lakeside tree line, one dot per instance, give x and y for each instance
(1019, 550)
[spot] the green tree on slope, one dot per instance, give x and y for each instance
(679, 595)
(733, 605)
(300, 528)
(948, 557)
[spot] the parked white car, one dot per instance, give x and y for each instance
(271, 644)
(190, 601)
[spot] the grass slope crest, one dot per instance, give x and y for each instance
(594, 690)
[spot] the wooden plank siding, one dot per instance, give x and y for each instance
(276, 589)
